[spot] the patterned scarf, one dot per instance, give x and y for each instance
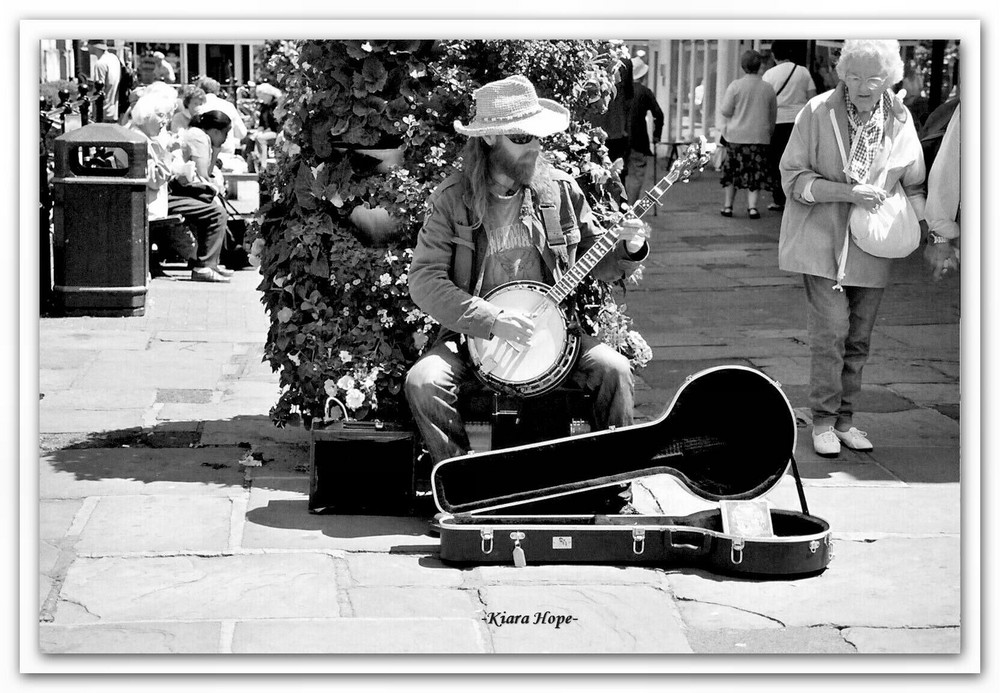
(866, 138)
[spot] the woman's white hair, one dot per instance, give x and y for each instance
(151, 107)
(887, 53)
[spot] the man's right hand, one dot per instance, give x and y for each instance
(513, 327)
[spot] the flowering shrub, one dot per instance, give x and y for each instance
(342, 322)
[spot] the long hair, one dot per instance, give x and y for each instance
(476, 178)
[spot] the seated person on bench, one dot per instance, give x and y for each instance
(505, 168)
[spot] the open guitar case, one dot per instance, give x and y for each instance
(728, 435)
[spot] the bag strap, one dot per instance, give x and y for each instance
(787, 79)
(842, 261)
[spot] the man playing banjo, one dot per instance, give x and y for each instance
(508, 216)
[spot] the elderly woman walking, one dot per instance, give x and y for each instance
(850, 148)
(750, 108)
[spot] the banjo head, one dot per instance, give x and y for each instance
(538, 367)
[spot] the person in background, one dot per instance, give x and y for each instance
(108, 69)
(264, 135)
(195, 195)
(641, 155)
(942, 222)
(164, 71)
(793, 87)
(843, 143)
(615, 121)
(749, 107)
(213, 102)
(192, 98)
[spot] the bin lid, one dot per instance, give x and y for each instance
(102, 133)
(728, 434)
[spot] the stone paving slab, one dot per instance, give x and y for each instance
(873, 398)
(85, 399)
(67, 359)
(905, 582)
(131, 638)
(52, 380)
(920, 465)
(885, 370)
(412, 602)
(928, 394)
(360, 635)
(88, 339)
(577, 574)
(909, 428)
(905, 640)
(246, 429)
(221, 413)
(140, 471)
(873, 510)
(815, 640)
(281, 519)
(186, 588)
(609, 619)
(75, 420)
(702, 618)
(125, 524)
(387, 570)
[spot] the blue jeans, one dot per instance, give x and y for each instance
(435, 381)
(840, 331)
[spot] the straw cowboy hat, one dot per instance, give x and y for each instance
(639, 68)
(511, 106)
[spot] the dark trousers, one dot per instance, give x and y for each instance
(209, 222)
(619, 148)
(779, 140)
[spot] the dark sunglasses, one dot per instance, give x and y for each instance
(521, 139)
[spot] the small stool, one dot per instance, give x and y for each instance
(495, 420)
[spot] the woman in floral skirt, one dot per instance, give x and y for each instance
(750, 109)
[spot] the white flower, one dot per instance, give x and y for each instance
(385, 279)
(355, 398)
(402, 279)
(419, 340)
(294, 358)
(346, 382)
(330, 388)
(345, 357)
(389, 257)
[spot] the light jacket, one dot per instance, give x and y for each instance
(431, 277)
(750, 108)
(812, 233)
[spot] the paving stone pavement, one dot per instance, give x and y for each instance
(154, 538)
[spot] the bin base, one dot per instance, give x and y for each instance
(105, 302)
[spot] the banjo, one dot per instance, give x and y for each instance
(541, 365)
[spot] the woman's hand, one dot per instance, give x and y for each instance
(870, 197)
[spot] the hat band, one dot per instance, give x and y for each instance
(516, 116)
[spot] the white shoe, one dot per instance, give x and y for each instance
(854, 439)
(826, 443)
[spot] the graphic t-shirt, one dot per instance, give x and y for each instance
(510, 254)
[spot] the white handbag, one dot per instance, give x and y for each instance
(890, 231)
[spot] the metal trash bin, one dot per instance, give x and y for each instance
(100, 228)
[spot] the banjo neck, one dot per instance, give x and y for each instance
(571, 279)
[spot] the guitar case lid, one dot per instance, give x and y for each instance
(728, 434)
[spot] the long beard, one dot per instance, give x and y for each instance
(522, 170)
